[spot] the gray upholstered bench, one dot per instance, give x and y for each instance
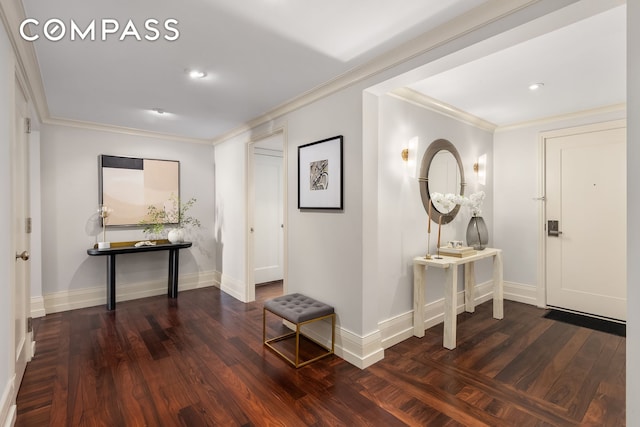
(299, 310)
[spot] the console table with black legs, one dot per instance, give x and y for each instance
(129, 248)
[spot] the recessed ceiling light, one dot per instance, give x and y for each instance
(535, 86)
(196, 74)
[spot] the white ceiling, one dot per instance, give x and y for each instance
(582, 66)
(260, 54)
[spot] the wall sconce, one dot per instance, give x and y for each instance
(410, 154)
(480, 168)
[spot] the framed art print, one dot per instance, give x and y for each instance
(320, 174)
(129, 185)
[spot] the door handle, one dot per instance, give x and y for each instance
(23, 256)
(553, 228)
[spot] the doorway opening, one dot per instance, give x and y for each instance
(266, 216)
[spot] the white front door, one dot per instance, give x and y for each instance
(586, 259)
(268, 218)
(20, 236)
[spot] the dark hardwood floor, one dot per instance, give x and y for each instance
(199, 361)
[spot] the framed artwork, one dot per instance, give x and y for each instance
(129, 185)
(320, 174)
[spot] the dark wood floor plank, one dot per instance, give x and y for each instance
(523, 370)
(547, 376)
(569, 384)
(199, 361)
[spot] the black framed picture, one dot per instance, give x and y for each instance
(320, 174)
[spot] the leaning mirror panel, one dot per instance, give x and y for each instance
(441, 172)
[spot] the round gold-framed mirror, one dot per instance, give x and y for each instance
(441, 172)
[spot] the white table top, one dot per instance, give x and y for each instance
(448, 261)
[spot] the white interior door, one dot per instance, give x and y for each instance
(268, 220)
(586, 259)
(20, 236)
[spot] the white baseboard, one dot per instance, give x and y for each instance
(230, 285)
(37, 307)
(518, 292)
(8, 404)
(81, 298)
(359, 351)
(399, 328)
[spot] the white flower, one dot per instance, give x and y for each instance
(474, 201)
(446, 201)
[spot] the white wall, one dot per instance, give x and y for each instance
(402, 225)
(516, 162)
(230, 215)
(325, 248)
(69, 185)
(633, 213)
(7, 83)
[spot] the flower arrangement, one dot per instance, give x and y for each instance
(157, 218)
(475, 203)
(449, 200)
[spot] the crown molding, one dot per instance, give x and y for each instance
(622, 107)
(12, 14)
(458, 27)
(424, 101)
(123, 130)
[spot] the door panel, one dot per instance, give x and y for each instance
(268, 218)
(586, 194)
(20, 238)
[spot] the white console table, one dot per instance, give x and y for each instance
(420, 267)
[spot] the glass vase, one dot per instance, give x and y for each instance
(477, 233)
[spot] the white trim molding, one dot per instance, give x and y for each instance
(518, 292)
(8, 403)
(562, 117)
(37, 307)
(361, 352)
(400, 328)
(230, 285)
(424, 101)
(89, 297)
(79, 124)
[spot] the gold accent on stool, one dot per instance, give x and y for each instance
(297, 334)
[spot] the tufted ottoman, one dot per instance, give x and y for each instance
(299, 310)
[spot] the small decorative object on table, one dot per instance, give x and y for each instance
(477, 232)
(104, 212)
(457, 251)
(158, 218)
